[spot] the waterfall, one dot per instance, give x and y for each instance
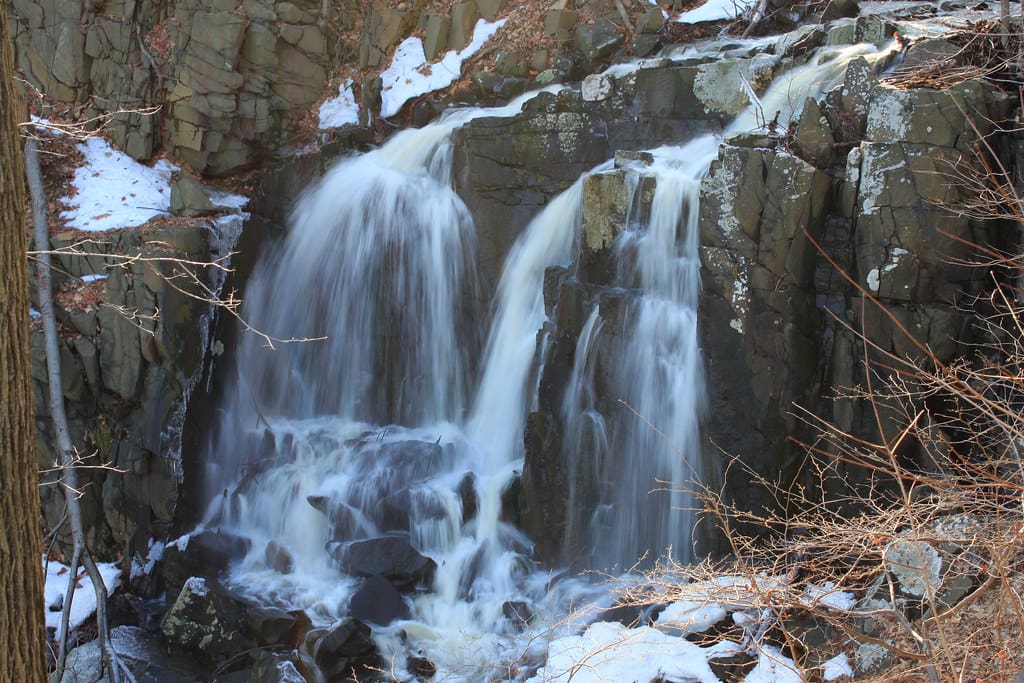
(375, 430)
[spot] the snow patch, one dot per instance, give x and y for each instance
(112, 190)
(46, 126)
(837, 667)
(410, 75)
(713, 10)
(196, 585)
(226, 201)
(874, 276)
(145, 567)
(83, 604)
(181, 543)
(773, 667)
(687, 616)
(611, 652)
(826, 595)
(341, 110)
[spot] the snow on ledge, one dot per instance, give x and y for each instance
(341, 110)
(713, 10)
(410, 75)
(112, 190)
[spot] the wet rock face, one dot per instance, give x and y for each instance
(860, 173)
(507, 169)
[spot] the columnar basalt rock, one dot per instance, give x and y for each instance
(135, 344)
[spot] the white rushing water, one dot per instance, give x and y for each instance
(378, 430)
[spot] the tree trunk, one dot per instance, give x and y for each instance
(22, 635)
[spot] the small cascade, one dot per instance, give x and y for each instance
(658, 380)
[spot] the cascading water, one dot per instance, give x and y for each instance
(372, 439)
(660, 380)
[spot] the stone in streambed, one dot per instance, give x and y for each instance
(391, 557)
(378, 602)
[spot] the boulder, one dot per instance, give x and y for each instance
(205, 619)
(650, 21)
(718, 84)
(265, 668)
(466, 491)
(436, 40)
(930, 52)
(597, 87)
(391, 557)
(273, 627)
(489, 9)
(812, 139)
(916, 566)
(464, 17)
(906, 243)
(606, 204)
(421, 667)
(517, 612)
(598, 40)
(925, 116)
(346, 649)
(557, 21)
(378, 602)
(190, 198)
(277, 557)
(837, 9)
(847, 105)
(205, 554)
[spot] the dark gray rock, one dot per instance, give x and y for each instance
(272, 627)
(344, 650)
(812, 139)
(190, 198)
(207, 554)
(389, 556)
(837, 9)
(732, 668)
(278, 558)
(378, 602)
(518, 612)
(598, 40)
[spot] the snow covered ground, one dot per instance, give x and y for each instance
(410, 75)
(84, 603)
(713, 10)
(341, 110)
(112, 190)
(609, 651)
